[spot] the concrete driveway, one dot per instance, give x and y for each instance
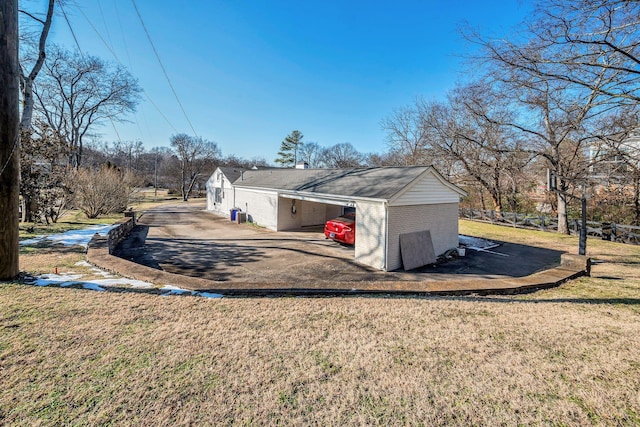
(185, 239)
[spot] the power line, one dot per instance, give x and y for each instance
(73, 33)
(66, 18)
(135, 6)
(104, 21)
(13, 149)
(126, 50)
(115, 55)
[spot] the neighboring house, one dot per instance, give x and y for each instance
(388, 201)
(615, 163)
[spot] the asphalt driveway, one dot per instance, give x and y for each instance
(185, 239)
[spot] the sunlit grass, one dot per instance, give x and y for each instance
(563, 356)
(76, 219)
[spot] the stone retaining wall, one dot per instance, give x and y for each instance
(117, 234)
(120, 232)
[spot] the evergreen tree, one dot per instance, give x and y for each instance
(288, 154)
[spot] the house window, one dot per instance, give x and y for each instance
(218, 195)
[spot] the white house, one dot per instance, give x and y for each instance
(388, 202)
(220, 189)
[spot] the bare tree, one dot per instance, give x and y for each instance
(27, 79)
(125, 154)
(196, 156)
(558, 95)
(343, 155)
(311, 152)
(591, 43)
(389, 158)
(466, 131)
(406, 134)
(242, 163)
(76, 93)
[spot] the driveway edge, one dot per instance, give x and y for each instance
(572, 267)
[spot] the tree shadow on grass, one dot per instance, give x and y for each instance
(597, 301)
(47, 247)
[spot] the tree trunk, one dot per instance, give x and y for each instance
(497, 204)
(496, 196)
(28, 208)
(183, 189)
(636, 200)
(27, 81)
(563, 219)
(9, 139)
(27, 104)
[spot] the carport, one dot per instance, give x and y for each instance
(389, 202)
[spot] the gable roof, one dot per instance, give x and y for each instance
(370, 183)
(232, 174)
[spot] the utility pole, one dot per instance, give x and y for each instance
(155, 169)
(582, 245)
(9, 139)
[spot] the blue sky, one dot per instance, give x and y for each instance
(250, 72)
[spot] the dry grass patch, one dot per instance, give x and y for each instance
(564, 356)
(71, 356)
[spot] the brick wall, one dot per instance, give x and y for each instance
(440, 219)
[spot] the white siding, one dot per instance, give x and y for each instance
(218, 180)
(370, 234)
(210, 192)
(313, 213)
(307, 213)
(287, 220)
(441, 220)
(261, 206)
(427, 190)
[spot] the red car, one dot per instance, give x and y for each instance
(342, 229)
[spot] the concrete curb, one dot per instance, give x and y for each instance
(572, 266)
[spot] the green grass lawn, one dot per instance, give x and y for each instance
(563, 356)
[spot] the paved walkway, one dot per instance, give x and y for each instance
(185, 246)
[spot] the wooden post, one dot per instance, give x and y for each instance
(9, 139)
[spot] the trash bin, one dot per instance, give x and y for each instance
(234, 212)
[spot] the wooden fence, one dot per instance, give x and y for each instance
(604, 230)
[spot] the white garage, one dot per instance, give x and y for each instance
(388, 201)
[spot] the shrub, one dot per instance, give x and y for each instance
(100, 191)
